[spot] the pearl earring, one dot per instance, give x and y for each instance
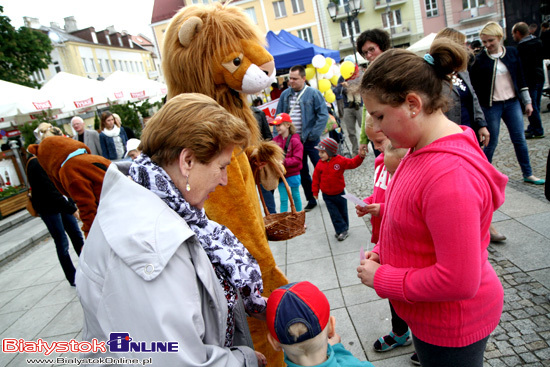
(187, 186)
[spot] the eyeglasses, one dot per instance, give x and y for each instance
(369, 50)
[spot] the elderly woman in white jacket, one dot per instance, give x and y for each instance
(155, 273)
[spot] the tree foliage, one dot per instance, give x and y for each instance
(22, 52)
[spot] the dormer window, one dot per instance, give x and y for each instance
(94, 37)
(120, 41)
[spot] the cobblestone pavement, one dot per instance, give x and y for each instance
(523, 335)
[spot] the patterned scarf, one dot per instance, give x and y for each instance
(235, 267)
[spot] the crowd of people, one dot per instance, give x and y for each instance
(434, 124)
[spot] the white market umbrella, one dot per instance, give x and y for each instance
(19, 103)
(422, 46)
(123, 86)
(77, 92)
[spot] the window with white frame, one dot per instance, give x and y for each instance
(345, 29)
(141, 66)
(468, 4)
(391, 19)
(297, 6)
(431, 8)
(85, 64)
(126, 68)
(92, 65)
(108, 66)
(279, 8)
(100, 62)
(306, 34)
(251, 12)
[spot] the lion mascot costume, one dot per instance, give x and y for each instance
(217, 51)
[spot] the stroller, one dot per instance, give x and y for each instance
(338, 134)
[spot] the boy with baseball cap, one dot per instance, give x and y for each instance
(299, 322)
(328, 177)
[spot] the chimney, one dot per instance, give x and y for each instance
(70, 24)
(55, 25)
(111, 29)
(30, 22)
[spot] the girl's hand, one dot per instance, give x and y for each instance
(374, 209)
(366, 272)
(361, 210)
(373, 256)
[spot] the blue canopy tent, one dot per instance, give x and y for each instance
(298, 42)
(288, 54)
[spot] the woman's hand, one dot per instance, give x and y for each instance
(262, 361)
(528, 109)
(484, 136)
(366, 272)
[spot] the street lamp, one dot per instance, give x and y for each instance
(352, 8)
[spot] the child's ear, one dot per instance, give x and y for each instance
(274, 343)
(331, 326)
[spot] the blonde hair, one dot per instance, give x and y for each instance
(193, 121)
(118, 121)
(492, 29)
(291, 127)
(369, 122)
(45, 130)
(397, 72)
(294, 351)
(451, 34)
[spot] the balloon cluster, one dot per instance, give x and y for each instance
(327, 74)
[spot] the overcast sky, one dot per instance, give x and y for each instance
(133, 16)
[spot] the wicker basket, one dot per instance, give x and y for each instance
(283, 226)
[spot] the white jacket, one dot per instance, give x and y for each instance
(142, 271)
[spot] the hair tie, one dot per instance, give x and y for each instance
(429, 59)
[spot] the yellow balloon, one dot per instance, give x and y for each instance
(310, 73)
(324, 85)
(330, 60)
(334, 80)
(325, 68)
(347, 68)
(330, 96)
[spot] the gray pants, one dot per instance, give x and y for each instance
(352, 121)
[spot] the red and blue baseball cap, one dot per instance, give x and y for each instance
(293, 303)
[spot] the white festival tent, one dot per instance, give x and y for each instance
(123, 86)
(77, 92)
(19, 103)
(422, 46)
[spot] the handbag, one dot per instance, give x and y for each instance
(29, 206)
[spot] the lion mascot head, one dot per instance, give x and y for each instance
(217, 51)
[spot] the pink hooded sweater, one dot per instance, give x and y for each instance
(434, 238)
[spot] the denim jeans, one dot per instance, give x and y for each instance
(269, 200)
(535, 123)
(337, 208)
(510, 112)
(57, 224)
(313, 154)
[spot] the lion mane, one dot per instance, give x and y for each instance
(196, 68)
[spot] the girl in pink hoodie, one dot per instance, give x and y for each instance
(431, 260)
